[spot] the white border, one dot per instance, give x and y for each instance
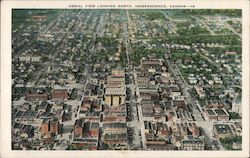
(5, 138)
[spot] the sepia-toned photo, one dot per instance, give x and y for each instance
(127, 79)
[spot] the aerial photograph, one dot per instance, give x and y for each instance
(126, 79)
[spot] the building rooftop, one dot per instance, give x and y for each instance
(43, 105)
(114, 125)
(116, 91)
(220, 112)
(210, 112)
(193, 141)
(79, 123)
(26, 114)
(115, 137)
(223, 128)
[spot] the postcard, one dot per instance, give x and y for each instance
(125, 79)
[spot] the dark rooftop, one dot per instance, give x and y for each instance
(210, 112)
(220, 112)
(114, 125)
(223, 128)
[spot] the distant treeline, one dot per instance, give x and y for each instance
(227, 12)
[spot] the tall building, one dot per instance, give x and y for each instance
(115, 96)
(84, 129)
(50, 127)
(54, 127)
(115, 92)
(78, 128)
(45, 127)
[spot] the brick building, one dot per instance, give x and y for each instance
(61, 94)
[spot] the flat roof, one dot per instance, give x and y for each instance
(223, 128)
(210, 112)
(220, 112)
(116, 91)
(114, 125)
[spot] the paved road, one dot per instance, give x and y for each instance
(135, 123)
(127, 40)
(172, 26)
(204, 23)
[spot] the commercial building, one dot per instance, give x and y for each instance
(115, 96)
(87, 129)
(222, 130)
(114, 114)
(50, 128)
(60, 94)
(148, 64)
(193, 144)
(115, 92)
(214, 104)
(216, 114)
(36, 96)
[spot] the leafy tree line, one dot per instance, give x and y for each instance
(190, 39)
(226, 12)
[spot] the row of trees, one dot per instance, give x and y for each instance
(227, 142)
(206, 39)
(226, 12)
